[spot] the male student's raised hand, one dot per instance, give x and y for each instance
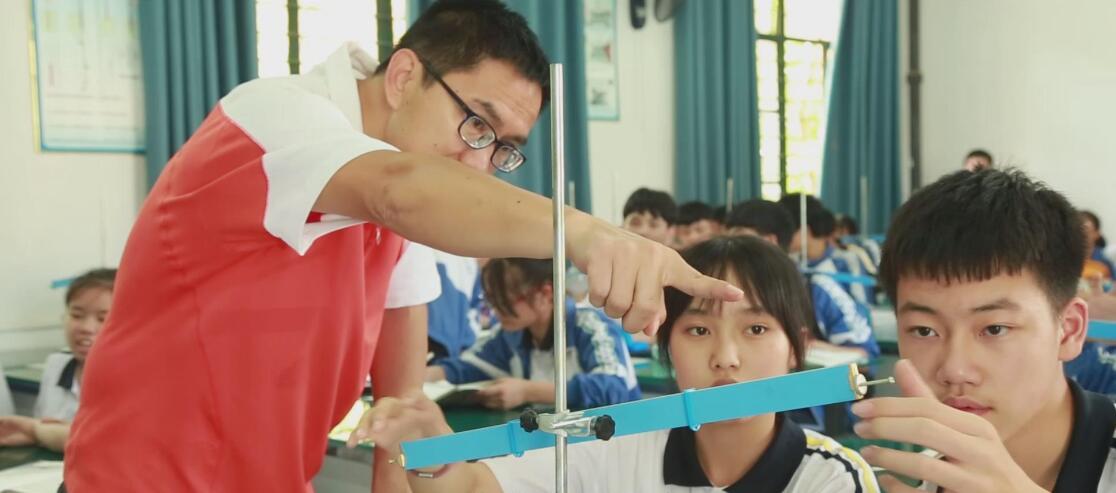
(974, 459)
(627, 274)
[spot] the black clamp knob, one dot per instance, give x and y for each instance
(604, 427)
(529, 420)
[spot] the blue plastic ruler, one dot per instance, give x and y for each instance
(691, 408)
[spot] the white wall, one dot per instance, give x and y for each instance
(60, 213)
(638, 150)
(1033, 81)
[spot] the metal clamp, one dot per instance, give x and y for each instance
(570, 424)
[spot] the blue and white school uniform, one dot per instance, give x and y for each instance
(598, 363)
(840, 318)
(452, 321)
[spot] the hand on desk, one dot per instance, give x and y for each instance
(510, 393)
(17, 431)
(974, 457)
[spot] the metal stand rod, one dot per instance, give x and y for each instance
(728, 194)
(864, 224)
(803, 231)
(558, 181)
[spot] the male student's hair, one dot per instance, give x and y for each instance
(819, 219)
(692, 212)
(94, 279)
(767, 276)
(1091, 217)
(980, 153)
(658, 203)
(454, 35)
(973, 226)
(765, 217)
(719, 213)
(847, 222)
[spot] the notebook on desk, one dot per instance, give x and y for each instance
(37, 477)
(825, 357)
(449, 395)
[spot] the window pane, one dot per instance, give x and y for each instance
(767, 75)
(805, 113)
(767, 12)
(271, 37)
(323, 26)
(399, 19)
(771, 191)
(812, 19)
(769, 147)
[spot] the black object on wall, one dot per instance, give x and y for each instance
(639, 13)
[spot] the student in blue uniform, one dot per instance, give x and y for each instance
(520, 357)
(821, 255)
(842, 322)
(452, 318)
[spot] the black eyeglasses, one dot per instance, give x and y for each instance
(478, 134)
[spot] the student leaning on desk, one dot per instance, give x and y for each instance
(87, 304)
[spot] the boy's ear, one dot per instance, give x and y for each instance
(402, 69)
(1073, 328)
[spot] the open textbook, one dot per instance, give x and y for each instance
(36, 477)
(448, 395)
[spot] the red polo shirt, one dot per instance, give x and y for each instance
(244, 324)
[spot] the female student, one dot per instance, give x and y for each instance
(87, 304)
(709, 344)
(520, 357)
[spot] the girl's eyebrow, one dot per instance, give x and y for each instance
(705, 310)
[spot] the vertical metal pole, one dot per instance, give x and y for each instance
(914, 78)
(803, 231)
(864, 204)
(292, 37)
(729, 185)
(558, 181)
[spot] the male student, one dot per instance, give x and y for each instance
(983, 270)
(271, 251)
(978, 159)
(696, 223)
(651, 214)
(821, 255)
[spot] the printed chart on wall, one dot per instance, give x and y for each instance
(86, 75)
(602, 84)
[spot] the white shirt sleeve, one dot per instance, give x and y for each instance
(415, 279)
(305, 138)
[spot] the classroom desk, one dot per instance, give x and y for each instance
(24, 378)
(18, 456)
(886, 328)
